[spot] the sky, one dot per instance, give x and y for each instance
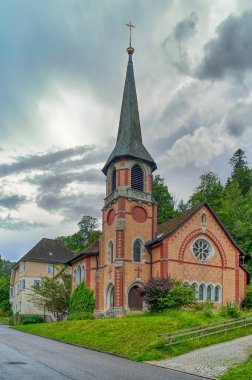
(62, 72)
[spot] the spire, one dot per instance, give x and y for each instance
(129, 138)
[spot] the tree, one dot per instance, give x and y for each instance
(164, 199)
(82, 303)
(240, 171)
(210, 190)
(52, 295)
(4, 292)
(87, 234)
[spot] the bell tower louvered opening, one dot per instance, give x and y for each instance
(137, 181)
(113, 180)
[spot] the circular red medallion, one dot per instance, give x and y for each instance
(110, 217)
(139, 214)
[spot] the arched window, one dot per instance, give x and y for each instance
(209, 293)
(196, 290)
(203, 218)
(113, 180)
(217, 293)
(82, 273)
(110, 252)
(137, 247)
(201, 292)
(137, 180)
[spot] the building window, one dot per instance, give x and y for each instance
(201, 292)
(196, 290)
(113, 180)
(36, 283)
(137, 180)
(202, 250)
(23, 284)
(79, 274)
(203, 218)
(11, 292)
(18, 288)
(137, 248)
(110, 253)
(217, 293)
(21, 267)
(49, 269)
(209, 293)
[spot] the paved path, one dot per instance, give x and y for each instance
(213, 360)
(28, 357)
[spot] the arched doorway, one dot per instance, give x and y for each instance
(110, 297)
(135, 299)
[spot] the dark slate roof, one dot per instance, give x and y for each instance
(49, 251)
(129, 138)
(91, 250)
(167, 228)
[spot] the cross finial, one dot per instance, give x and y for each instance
(130, 26)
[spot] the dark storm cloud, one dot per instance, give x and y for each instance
(230, 53)
(175, 43)
(16, 224)
(239, 119)
(71, 206)
(11, 201)
(53, 182)
(43, 161)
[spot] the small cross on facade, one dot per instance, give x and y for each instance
(138, 270)
(130, 26)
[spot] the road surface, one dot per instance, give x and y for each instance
(27, 357)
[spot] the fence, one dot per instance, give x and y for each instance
(206, 330)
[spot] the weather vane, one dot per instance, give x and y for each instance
(130, 26)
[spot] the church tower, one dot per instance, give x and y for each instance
(129, 212)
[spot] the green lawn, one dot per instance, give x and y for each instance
(4, 319)
(135, 337)
(242, 372)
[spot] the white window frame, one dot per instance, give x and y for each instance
(51, 269)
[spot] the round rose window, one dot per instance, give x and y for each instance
(202, 250)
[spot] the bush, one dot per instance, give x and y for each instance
(82, 303)
(247, 301)
(165, 293)
(29, 319)
(230, 311)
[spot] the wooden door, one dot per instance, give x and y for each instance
(135, 299)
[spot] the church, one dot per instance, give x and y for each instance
(193, 247)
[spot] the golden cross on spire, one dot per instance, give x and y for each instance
(130, 27)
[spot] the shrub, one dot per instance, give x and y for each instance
(166, 293)
(29, 319)
(82, 303)
(230, 311)
(247, 301)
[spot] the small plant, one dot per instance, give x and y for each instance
(82, 303)
(231, 310)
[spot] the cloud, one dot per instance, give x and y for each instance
(238, 119)
(175, 44)
(72, 206)
(17, 224)
(42, 161)
(11, 201)
(198, 149)
(230, 53)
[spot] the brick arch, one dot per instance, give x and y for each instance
(211, 236)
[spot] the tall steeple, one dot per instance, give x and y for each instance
(129, 139)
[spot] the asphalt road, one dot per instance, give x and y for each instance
(28, 357)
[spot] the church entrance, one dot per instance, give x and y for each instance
(110, 298)
(135, 299)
